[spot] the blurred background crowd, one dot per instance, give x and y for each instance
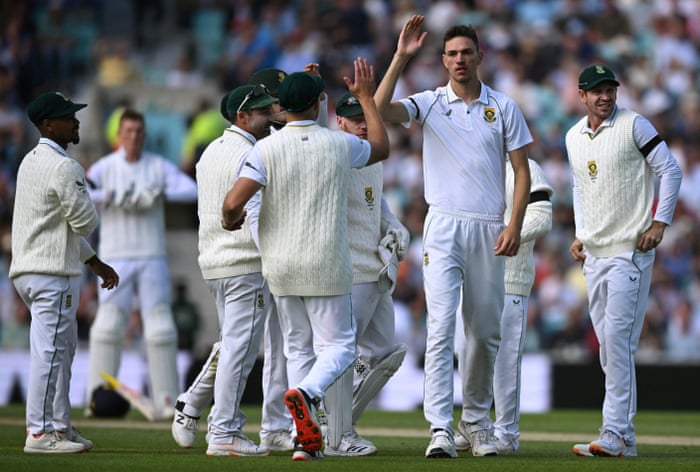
(174, 59)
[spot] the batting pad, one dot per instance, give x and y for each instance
(338, 403)
(106, 337)
(200, 394)
(160, 335)
(375, 379)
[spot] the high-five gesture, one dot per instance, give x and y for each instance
(363, 88)
(411, 38)
(364, 85)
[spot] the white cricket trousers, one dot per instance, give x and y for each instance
(508, 369)
(618, 290)
(459, 260)
(242, 304)
(275, 414)
(507, 378)
(53, 335)
(319, 340)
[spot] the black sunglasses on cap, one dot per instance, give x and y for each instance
(259, 91)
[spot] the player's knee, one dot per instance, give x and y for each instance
(109, 324)
(159, 325)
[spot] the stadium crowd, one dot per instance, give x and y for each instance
(534, 50)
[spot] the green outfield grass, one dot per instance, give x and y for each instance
(667, 441)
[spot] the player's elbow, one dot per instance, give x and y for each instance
(379, 153)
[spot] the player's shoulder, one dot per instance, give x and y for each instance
(429, 95)
(152, 156)
(69, 168)
(106, 159)
(504, 100)
(538, 181)
(577, 127)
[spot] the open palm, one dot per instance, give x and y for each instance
(411, 38)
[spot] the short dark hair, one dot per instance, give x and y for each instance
(131, 114)
(461, 30)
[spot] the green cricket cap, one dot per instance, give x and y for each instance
(594, 75)
(348, 106)
(51, 105)
(270, 78)
(299, 91)
(248, 97)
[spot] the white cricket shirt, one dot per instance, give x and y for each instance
(465, 145)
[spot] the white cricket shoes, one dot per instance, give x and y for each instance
(442, 446)
(352, 444)
(51, 443)
(609, 444)
(184, 427)
(506, 447)
(482, 441)
(281, 440)
(73, 435)
(582, 450)
(240, 445)
(462, 443)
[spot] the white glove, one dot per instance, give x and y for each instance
(125, 200)
(145, 199)
(402, 238)
(390, 271)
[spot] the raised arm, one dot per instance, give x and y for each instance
(410, 42)
(363, 88)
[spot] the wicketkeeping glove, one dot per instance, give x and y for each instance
(390, 270)
(145, 199)
(401, 238)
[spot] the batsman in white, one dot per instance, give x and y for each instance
(378, 241)
(615, 155)
(131, 187)
(467, 130)
(52, 215)
(303, 171)
(519, 277)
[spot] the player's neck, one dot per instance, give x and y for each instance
(468, 90)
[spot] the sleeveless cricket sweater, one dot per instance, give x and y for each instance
(364, 222)
(223, 253)
(520, 269)
(52, 215)
(610, 173)
(303, 212)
